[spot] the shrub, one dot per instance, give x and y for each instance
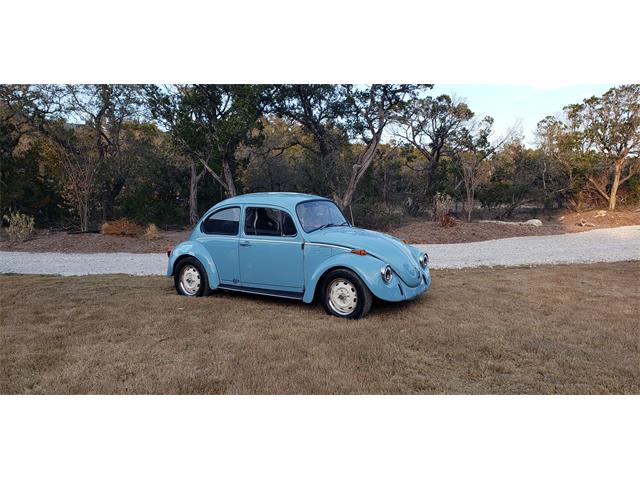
(152, 232)
(20, 226)
(447, 221)
(122, 226)
(442, 203)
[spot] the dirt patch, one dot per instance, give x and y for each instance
(424, 231)
(415, 231)
(562, 329)
(47, 241)
(600, 218)
(420, 231)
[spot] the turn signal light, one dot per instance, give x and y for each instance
(359, 252)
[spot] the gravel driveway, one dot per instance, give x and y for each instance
(604, 245)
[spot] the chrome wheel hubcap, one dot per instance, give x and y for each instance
(190, 280)
(343, 297)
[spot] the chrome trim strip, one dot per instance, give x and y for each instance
(327, 245)
(249, 238)
(342, 247)
(293, 296)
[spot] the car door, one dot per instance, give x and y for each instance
(220, 237)
(271, 255)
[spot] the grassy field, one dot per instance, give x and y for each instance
(563, 329)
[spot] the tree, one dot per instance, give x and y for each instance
(514, 179)
(154, 191)
(374, 108)
(84, 125)
(470, 154)
(388, 176)
(335, 114)
(106, 109)
(321, 111)
(611, 126)
(564, 162)
(277, 162)
(428, 125)
(45, 109)
(207, 123)
(25, 182)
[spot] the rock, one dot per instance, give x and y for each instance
(584, 223)
(534, 222)
(600, 213)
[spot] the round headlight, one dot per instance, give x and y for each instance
(386, 273)
(424, 260)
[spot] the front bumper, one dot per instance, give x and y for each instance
(398, 291)
(412, 292)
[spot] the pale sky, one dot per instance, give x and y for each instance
(510, 104)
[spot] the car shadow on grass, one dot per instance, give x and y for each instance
(380, 308)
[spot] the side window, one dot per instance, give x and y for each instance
(269, 222)
(288, 227)
(223, 222)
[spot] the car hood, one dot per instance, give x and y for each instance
(385, 247)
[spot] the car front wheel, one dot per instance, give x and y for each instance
(345, 295)
(191, 278)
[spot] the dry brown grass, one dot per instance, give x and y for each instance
(152, 232)
(564, 329)
(121, 227)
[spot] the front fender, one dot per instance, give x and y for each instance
(366, 267)
(195, 249)
(415, 252)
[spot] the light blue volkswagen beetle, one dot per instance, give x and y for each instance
(297, 246)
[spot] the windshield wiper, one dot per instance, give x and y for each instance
(329, 225)
(323, 226)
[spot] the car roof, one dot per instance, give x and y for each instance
(283, 199)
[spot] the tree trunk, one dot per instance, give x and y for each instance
(83, 212)
(107, 208)
(193, 193)
(614, 186)
(228, 179)
(346, 199)
(470, 197)
(358, 170)
(109, 195)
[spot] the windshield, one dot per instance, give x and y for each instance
(317, 214)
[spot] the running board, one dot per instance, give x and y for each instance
(263, 291)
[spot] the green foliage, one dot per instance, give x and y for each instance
(607, 128)
(148, 204)
(27, 177)
(83, 154)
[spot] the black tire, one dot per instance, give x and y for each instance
(347, 280)
(203, 288)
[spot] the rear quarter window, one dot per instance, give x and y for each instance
(222, 222)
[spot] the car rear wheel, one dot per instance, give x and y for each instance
(345, 295)
(190, 278)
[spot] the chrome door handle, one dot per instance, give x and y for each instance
(245, 244)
